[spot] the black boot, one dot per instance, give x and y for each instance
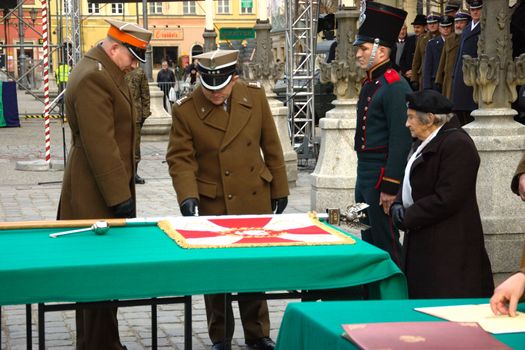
(139, 180)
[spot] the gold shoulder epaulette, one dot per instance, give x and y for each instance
(180, 101)
(254, 84)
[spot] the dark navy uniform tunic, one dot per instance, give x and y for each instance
(382, 143)
(431, 62)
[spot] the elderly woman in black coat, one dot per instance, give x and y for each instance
(444, 250)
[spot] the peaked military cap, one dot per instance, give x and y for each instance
(132, 36)
(420, 20)
(428, 101)
(462, 16)
(446, 21)
(475, 4)
(380, 23)
(433, 19)
(216, 68)
(451, 8)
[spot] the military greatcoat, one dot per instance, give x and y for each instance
(431, 62)
(461, 93)
(382, 143)
(216, 157)
(419, 57)
(446, 64)
(445, 254)
(100, 168)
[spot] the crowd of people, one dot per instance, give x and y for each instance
(416, 167)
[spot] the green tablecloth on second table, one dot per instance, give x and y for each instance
(142, 262)
(314, 326)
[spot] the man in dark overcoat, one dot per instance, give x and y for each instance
(225, 157)
(444, 247)
(461, 93)
(433, 53)
(407, 56)
(448, 55)
(416, 80)
(99, 176)
(381, 140)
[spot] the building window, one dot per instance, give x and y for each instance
(67, 6)
(155, 8)
(246, 6)
(117, 8)
(93, 8)
(223, 6)
(189, 8)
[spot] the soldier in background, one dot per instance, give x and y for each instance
(461, 93)
(451, 9)
(405, 62)
(138, 85)
(448, 55)
(416, 81)
(381, 140)
(433, 53)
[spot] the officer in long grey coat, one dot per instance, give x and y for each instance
(461, 93)
(225, 157)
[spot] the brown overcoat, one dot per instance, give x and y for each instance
(232, 164)
(100, 167)
(419, 56)
(446, 64)
(444, 247)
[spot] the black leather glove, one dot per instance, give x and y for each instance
(397, 212)
(125, 209)
(189, 206)
(279, 204)
(414, 85)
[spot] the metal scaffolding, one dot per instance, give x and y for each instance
(301, 39)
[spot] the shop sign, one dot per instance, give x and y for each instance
(168, 34)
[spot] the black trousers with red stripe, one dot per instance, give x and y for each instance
(382, 234)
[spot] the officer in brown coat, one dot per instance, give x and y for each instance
(138, 85)
(416, 80)
(99, 176)
(225, 157)
(449, 54)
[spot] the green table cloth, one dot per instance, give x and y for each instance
(142, 262)
(314, 326)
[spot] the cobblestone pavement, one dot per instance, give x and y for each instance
(27, 195)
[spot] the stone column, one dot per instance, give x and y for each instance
(157, 126)
(333, 180)
(266, 71)
(210, 37)
(499, 139)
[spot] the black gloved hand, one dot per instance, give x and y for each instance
(438, 87)
(414, 85)
(397, 212)
(279, 204)
(189, 206)
(125, 209)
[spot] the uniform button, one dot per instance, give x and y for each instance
(366, 108)
(362, 139)
(362, 146)
(369, 98)
(364, 127)
(227, 173)
(230, 196)
(254, 193)
(364, 118)
(249, 143)
(252, 169)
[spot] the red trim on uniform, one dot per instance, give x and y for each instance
(380, 178)
(386, 13)
(391, 76)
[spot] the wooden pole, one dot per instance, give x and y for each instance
(21, 225)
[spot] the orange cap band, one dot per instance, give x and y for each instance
(124, 37)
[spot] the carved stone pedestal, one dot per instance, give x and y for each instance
(333, 180)
(157, 126)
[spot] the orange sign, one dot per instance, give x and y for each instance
(168, 34)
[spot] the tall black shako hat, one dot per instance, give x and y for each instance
(380, 23)
(216, 68)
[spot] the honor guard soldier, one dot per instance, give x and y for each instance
(433, 53)
(225, 158)
(382, 141)
(100, 172)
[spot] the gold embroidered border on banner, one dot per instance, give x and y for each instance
(167, 228)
